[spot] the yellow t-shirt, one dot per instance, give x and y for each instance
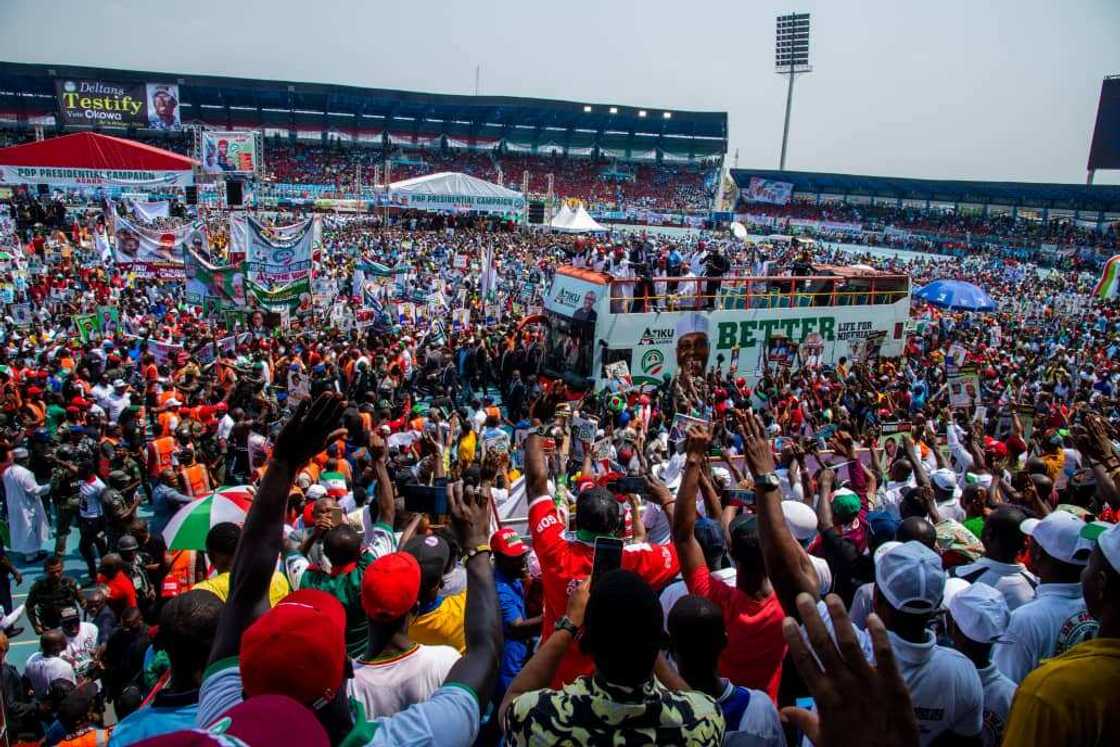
(442, 626)
(1070, 699)
(219, 585)
(468, 446)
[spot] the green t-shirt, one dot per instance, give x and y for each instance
(974, 525)
(345, 585)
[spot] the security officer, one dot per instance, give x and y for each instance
(67, 485)
(119, 505)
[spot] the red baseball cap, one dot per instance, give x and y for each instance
(391, 586)
(263, 720)
(297, 648)
(34, 391)
(506, 541)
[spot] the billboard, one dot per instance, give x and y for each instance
(229, 152)
(90, 102)
(1104, 153)
(768, 190)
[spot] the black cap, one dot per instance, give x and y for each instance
(434, 556)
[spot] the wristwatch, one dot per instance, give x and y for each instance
(768, 481)
(565, 624)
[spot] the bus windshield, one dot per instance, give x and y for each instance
(569, 345)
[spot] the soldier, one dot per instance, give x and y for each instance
(67, 482)
(119, 504)
(50, 595)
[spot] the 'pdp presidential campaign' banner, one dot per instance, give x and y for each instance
(211, 286)
(229, 152)
(768, 190)
(90, 102)
(280, 255)
(157, 252)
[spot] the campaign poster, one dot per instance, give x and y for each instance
(279, 255)
(964, 388)
(780, 351)
(620, 372)
(92, 102)
(768, 191)
(108, 320)
(229, 152)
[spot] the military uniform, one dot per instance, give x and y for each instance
(66, 490)
(46, 600)
(117, 507)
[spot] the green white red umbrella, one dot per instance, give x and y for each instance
(189, 526)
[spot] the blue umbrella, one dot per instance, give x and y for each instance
(956, 294)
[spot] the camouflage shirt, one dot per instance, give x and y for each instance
(590, 711)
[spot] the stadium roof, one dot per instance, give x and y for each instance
(1021, 194)
(30, 89)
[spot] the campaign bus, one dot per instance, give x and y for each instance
(738, 325)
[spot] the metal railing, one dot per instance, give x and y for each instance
(636, 296)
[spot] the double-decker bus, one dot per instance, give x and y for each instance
(659, 325)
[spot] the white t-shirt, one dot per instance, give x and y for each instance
(998, 694)
(1015, 582)
(89, 498)
(944, 685)
(41, 671)
(80, 649)
(1038, 629)
(225, 427)
(117, 404)
(388, 687)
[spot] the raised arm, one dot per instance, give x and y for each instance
(305, 434)
(788, 566)
(536, 473)
(684, 516)
(482, 628)
(386, 504)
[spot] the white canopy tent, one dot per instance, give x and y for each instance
(575, 221)
(450, 191)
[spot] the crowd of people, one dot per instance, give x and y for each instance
(932, 229)
(839, 550)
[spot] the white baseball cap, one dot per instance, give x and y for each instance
(981, 612)
(316, 491)
(945, 479)
(1059, 534)
(1107, 537)
(953, 586)
(801, 520)
(911, 578)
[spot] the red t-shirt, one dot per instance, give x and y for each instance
(565, 563)
(122, 594)
(755, 646)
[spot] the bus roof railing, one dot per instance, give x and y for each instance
(636, 296)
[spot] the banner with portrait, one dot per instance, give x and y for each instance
(295, 296)
(229, 152)
(157, 252)
(92, 102)
(769, 191)
(280, 255)
(220, 287)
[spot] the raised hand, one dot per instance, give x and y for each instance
(699, 437)
(310, 429)
(470, 515)
(857, 703)
(756, 446)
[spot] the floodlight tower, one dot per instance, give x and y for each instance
(791, 56)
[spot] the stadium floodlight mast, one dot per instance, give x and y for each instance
(791, 56)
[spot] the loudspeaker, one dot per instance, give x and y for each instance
(233, 193)
(191, 194)
(42, 190)
(536, 212)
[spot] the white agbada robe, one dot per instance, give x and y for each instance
(27, 519)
